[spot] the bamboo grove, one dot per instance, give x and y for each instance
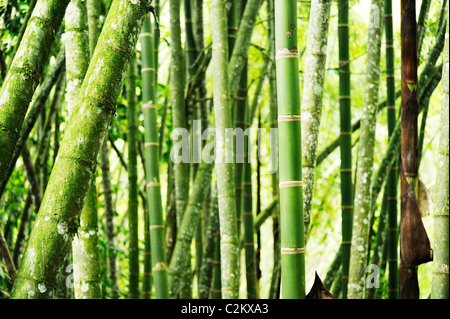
(224, 149)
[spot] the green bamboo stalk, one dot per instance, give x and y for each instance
(311, 104)
(233, 17)
(179, 269)
(77, 49)
(249, 229)
(31, 6)
(206, 272)
(391, 185)
(109, 221)
(6, 256)
(86, 253)
(178, 79)
(156, 227)
(216, 286)
(275, 281)
(85, 247)
(362, 201)
(440, 286)
(239, 121)
(133, 222)
(345, 140)
(229, 244)
(243, 38)
(289, 146)
(25, 72)
(94, 12)
(380, 239)
(56, 223)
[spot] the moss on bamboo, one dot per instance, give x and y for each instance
(24, 73)
(57, 221)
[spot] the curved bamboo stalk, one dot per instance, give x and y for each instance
(25, 72)
(71, 175)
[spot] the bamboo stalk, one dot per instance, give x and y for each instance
(362, 201)
(391, 186)
(71, 175)
(440, 282)
(155, 227)
(345, 140)
(311, 105)
(289, 146)
(229, 248)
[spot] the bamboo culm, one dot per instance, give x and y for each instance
(311, 105)
(156, 225)
(440, 282)
(362, 202)
(229, 244)
(57, 221)
(289, 146)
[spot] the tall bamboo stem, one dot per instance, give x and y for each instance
(345, 139)
(289, 146)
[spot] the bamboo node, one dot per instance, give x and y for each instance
(289, 118)
(147, 70)
(149, 105)
(290, 184)
(293, 251)
(153, 183)
(346, 243)
(151, 144)
(286, 54)
(159, 266)
(146, 34)
(154, 227)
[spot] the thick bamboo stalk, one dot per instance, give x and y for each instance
(36, 108)
(391, 185)
(68, 185)
(289, 146)
(156, 226)
(345, 139)
(229, 244)
(314, 79)
(362, 202)
(25, 72)
(440, 279)
(85, 247)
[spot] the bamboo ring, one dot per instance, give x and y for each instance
(293, 251)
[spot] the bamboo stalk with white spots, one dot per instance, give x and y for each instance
(311, 105)
(363, 198)
(61, 206)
